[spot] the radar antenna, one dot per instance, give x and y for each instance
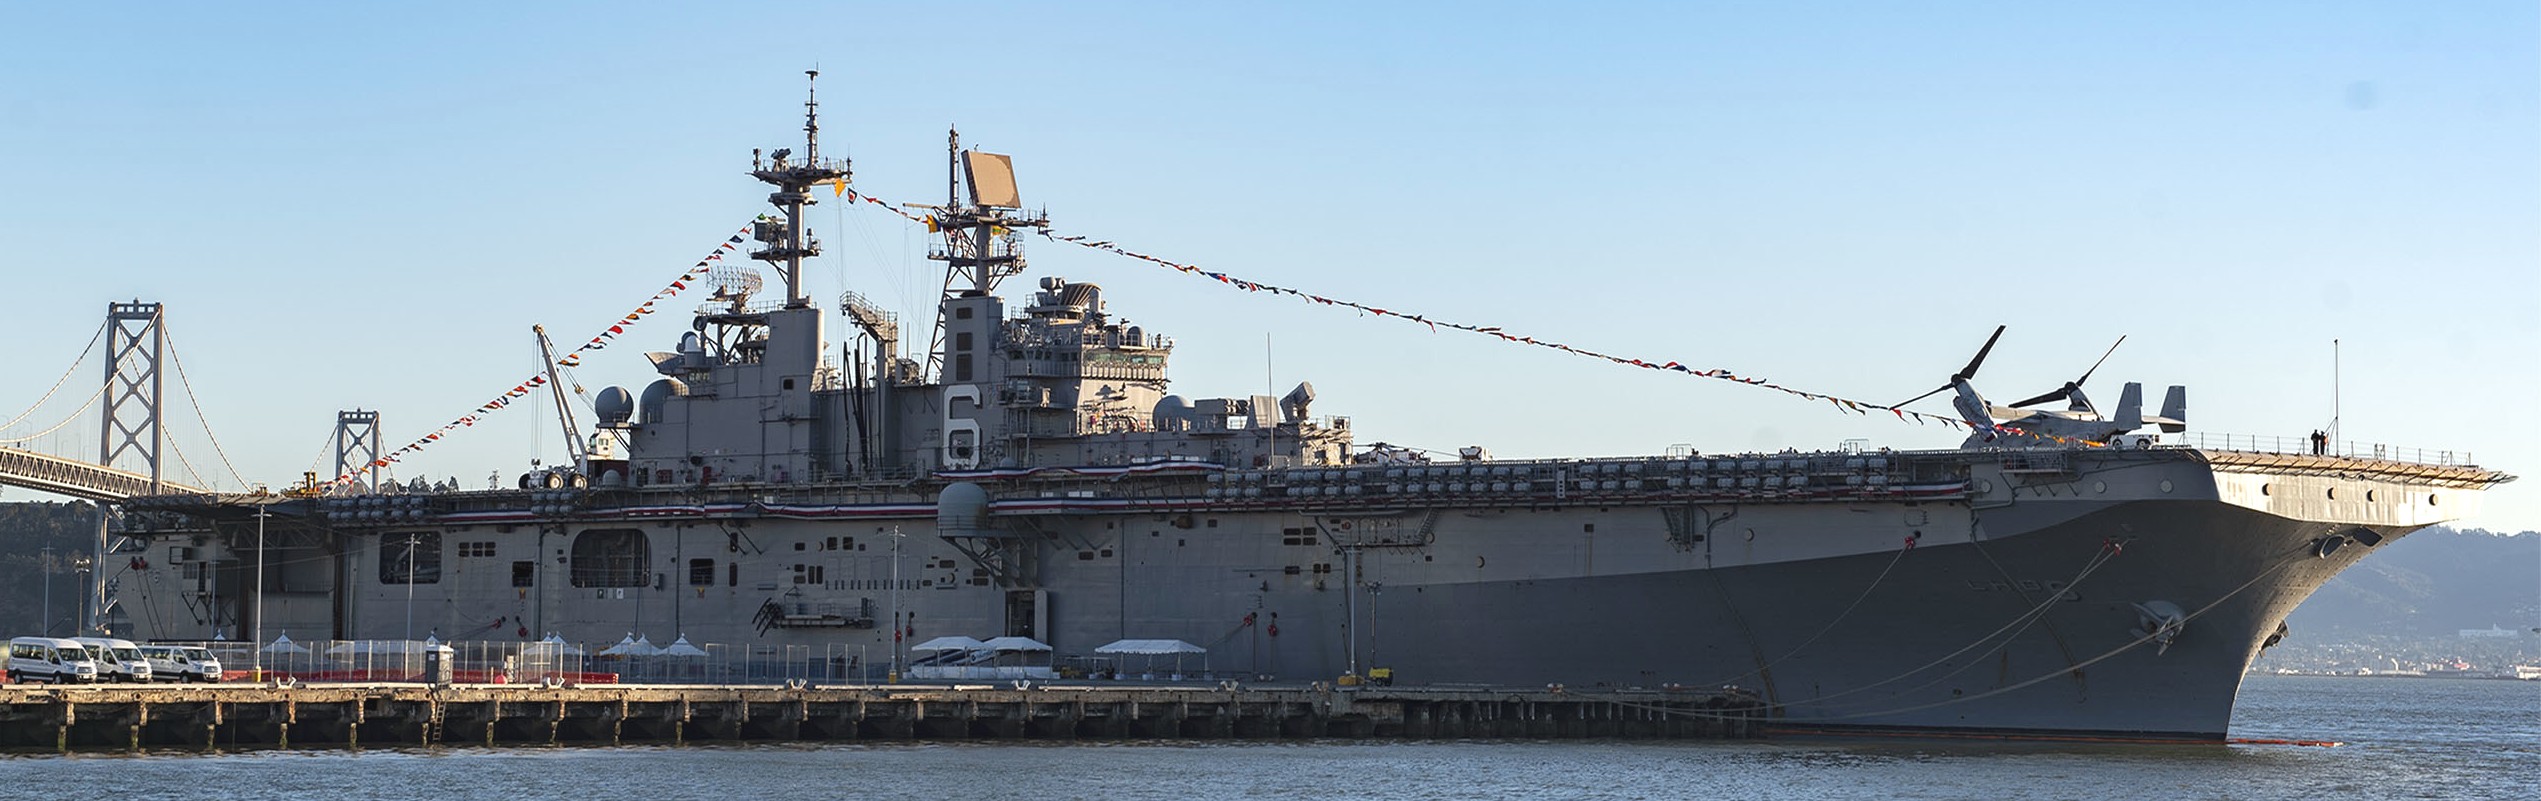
(787, 243)
(981, 243)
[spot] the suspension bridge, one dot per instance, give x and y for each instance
(112, 441)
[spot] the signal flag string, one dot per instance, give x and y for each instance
(698, 271)
(1840, 403)
(693, 274)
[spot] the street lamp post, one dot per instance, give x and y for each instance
(45, 626)
(1350, 610)
(410, 586)
(258, 637)
(81, 566)
(896, 629)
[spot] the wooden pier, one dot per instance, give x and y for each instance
(347, 715)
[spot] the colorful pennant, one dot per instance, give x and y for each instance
(1844, 404)
(572, 359)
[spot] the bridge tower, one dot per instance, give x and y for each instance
(136, 343)
(357, 445)
(136, 338)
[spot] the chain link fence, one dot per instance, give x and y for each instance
(549, 661)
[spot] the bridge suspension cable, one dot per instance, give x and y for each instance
(319, 458)
(93, 339)
(188, 464)
(66, 421)
(197, 403)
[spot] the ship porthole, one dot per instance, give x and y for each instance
(2100, 486)
(2165, 485)
(2333, 493)
(2263, 489)
(1751, 535)
(2430, 499)
(2368, 495)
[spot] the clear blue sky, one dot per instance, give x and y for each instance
(354, 205)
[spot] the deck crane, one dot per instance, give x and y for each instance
(564, 411)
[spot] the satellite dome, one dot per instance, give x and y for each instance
(962, 507)
(1172, 413)
(658, 395)
(614, 406)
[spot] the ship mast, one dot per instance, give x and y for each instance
(787, 244)
(981, 245)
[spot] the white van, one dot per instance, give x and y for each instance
(50, 659)
(186, 663)
(117, 660)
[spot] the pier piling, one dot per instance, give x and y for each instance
(65, 719)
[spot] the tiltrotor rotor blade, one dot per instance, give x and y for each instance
(1964, 373)
(1970, 371)
(2067, 390)
(2095, 366)
(1935, 391)
(2060, 394)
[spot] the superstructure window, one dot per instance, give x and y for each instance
(524, 574)
(701, 572)
(610, 557)
(411, 557)
(809, 574)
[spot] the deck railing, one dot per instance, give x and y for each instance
(2299, 444)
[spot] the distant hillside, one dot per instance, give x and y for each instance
(2432, 583)
(26, 529)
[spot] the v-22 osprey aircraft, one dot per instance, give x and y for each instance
(2017, 427)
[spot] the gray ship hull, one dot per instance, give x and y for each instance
(1975, 593)
(1964, 638)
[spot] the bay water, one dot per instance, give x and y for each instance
(2401, 738)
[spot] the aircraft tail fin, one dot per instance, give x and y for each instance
(2130, 408)
(2174, 417)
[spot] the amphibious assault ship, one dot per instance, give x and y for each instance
(1030, 474)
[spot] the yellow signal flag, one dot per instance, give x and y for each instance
(930, 224)
(838, 187)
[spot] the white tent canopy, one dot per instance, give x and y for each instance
(961, 657)
(553, 644)
(632, 646)
(1149, 652)
(681, 647)
(953, 643)
(284, 645)
(1151, 647)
